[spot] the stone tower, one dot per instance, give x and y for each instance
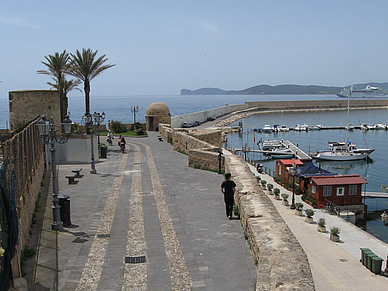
(157, 113)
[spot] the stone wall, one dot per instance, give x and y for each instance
(316, 104)
(206, 159)
(26, 105)
(25, 154)
(282, 263)
(166, 132)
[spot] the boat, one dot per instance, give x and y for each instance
(343, 151)
(267, 129)
(284, 128)
(380, 126)
(303, 127)
(281, 154)
(350, 127)
(368, 92)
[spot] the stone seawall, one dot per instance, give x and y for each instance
(281, 262)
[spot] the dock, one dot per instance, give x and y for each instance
(286, 144)
(374, 194)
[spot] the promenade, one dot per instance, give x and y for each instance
(145, 221)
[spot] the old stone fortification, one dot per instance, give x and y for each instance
(281, 262)
(26, 105)
(25, 155)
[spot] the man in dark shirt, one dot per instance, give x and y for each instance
(228, 187)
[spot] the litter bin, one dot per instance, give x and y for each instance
(370, 257)
(64, 202)
(376, 265)
(104, 150)
(363, 250)
(366, 254)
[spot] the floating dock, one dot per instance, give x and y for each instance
(285, 144)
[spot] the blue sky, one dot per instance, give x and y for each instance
(160, 47)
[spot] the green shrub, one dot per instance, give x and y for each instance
(270, 186)
(138, 126)
(335, 231)
(258, 178)
(298, 206)
(118, 127)
(309, 212)
(263, 182)
(276, 191)
(285, 196)
(322, 222)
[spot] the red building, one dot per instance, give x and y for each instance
(338, 189)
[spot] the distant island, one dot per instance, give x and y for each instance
(280, 90)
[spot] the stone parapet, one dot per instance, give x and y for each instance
(281, 262)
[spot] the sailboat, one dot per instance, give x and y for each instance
(344, 151)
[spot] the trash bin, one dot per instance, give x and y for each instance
(104, 150)
(366, 253)
(64, 202)
(370, 257)
(376, 265)
(363, 250)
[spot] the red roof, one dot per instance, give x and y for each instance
(339, 180)
(290, 162)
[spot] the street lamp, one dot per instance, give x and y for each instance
(292, 172)
(134, 110)
(98, 118)
(246, 150)
(88, 121)
(47, 131)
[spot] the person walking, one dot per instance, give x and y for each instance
(228, 188)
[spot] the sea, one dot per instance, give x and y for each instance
(374, 170)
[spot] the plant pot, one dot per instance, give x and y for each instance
(277, 196)
(309, 219)
(321, 228)
(285, 202)
(269, 192)
(263, 187)
(298, 212)
(334, 238)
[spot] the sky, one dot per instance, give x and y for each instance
(160, 47)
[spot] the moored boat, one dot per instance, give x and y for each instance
(368, 92)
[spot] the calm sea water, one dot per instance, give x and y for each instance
(375, 171)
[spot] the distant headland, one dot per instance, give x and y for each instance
(280, 89)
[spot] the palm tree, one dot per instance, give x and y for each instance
(85, 67)
(57, 66)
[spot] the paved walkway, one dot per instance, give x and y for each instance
(145, 221)
(335, 266)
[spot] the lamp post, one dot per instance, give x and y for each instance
(98, 118)
(134, 110)
(292, 172)
(246, 150)
(88, 120)
(47, 131)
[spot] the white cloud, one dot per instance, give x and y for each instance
(208, 27)
(18, 22)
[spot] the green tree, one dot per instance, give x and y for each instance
(57, 66)
(86, 67)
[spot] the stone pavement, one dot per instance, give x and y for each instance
(145, 221)
(335, 266)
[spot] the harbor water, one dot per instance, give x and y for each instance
(375, 171)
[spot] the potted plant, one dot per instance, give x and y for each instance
(276, 192)
(269, 187)
(321, 225)
(298, 208)
(334, 234)
(285, 199)
(263, 183)
(258, 178)
(309, 215)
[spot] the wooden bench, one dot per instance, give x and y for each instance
(71, 177)
(77, 171)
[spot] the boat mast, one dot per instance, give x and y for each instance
(347, 126)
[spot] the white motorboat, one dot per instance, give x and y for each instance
(350, 127)
(368, 92)
(267, 129)
(341, 146)
(380, 126)
(303, 127)
(340, 156)
(284, 128)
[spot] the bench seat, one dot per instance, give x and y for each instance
(77, 171)
(71, 177)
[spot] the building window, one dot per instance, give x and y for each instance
(280, 170)
(352, 189)
(313, 189)
(340, 191)
(326, 190)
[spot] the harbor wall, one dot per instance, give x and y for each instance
(316, 104)
(202, 116)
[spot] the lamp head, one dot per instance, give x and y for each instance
(66, 124)
(43, 126)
